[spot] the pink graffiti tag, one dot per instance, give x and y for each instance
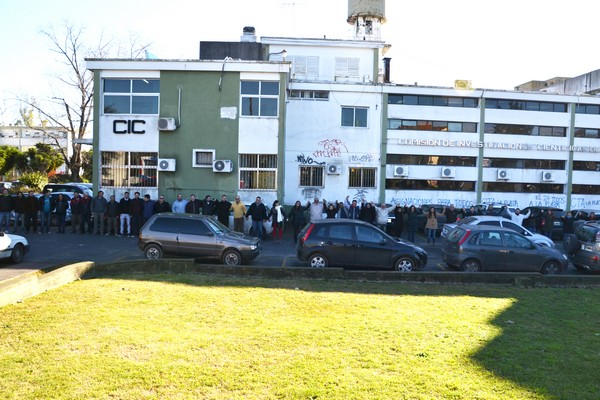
(330, 148)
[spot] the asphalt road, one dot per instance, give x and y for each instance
(48, 250)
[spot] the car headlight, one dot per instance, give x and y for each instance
(565, 257)
(253, 247)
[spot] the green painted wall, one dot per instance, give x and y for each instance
(201, 127)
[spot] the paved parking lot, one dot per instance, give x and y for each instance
(54, 249)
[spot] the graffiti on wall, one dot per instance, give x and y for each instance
(548, 200)
(330, 148)
(310, 193)
(302, 159)
(361, 158)
(360, 195)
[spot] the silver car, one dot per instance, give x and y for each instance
(474, 248)
(498, 221)
(198, 236)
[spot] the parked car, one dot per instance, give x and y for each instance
(476, 248)
(354, 243)
(535, 222)
(199, 236)
(583, 246)
(584, 214)
(499, 221)
(497, 210)
(69, 188)
(13, 247)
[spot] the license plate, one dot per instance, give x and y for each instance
(556, 223)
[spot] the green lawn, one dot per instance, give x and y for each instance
(203, 337)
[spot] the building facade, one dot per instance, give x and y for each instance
(293, 119)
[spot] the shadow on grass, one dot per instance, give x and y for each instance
(550, 340)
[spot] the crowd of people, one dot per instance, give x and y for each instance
(98, 215)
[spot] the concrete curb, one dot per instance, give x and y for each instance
(29, 285)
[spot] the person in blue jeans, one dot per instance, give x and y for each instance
(46, 207)
(6, 206)
(258, 213)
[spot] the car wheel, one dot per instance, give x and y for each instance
(404, 264)
(551, 268)
(571, 244)
(318, 261)
(18, 253)
(153, 252)
(471, 265)
(231, 257)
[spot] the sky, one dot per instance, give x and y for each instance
(494, 44)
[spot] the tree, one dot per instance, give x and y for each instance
(73, 107)
(42, 158)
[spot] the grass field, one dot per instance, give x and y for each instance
(202, 337)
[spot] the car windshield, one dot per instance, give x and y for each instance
(216, 226)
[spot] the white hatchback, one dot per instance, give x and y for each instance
(13, 247)
(499, 221)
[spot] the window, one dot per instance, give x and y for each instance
(309, 95)
(440, 126)
(532, 130)
(522, 187)
(416, 159)
(122, 169)
(258, 171)
(438, 101)
(362, 178)
(193, 227)
(260, 98)
(587, 133)
(202, 158)
(586, 189)
(346, 67)
(305, 67)
(415, 184)
(131, 96)
(587, 109)
(354, 117)
(311, 176)
(523, 163)
(365, 234)
(525, 105)
(586, 165)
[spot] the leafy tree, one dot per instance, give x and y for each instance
(34, 180)
(44, 158)
(72, 108)
(87, 165)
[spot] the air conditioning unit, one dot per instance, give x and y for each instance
(334, 169)
(222, 166)
(166, 164)
(447, 172)
(401, 170)
(548, 176)
(166, 124)
(502, 175)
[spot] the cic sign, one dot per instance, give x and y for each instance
(125, 126)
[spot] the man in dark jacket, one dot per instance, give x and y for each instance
(6, 206)
(161, 205)
(136, 210)
(77, 210)
(31, 208)
(112, 216)
(193, 206)
(258, 212)
(124, 217)
(208, 206)
(99, 211)
(223, 208)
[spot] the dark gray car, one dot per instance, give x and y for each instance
(583, 246)
(475, 248)
(198, 236)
